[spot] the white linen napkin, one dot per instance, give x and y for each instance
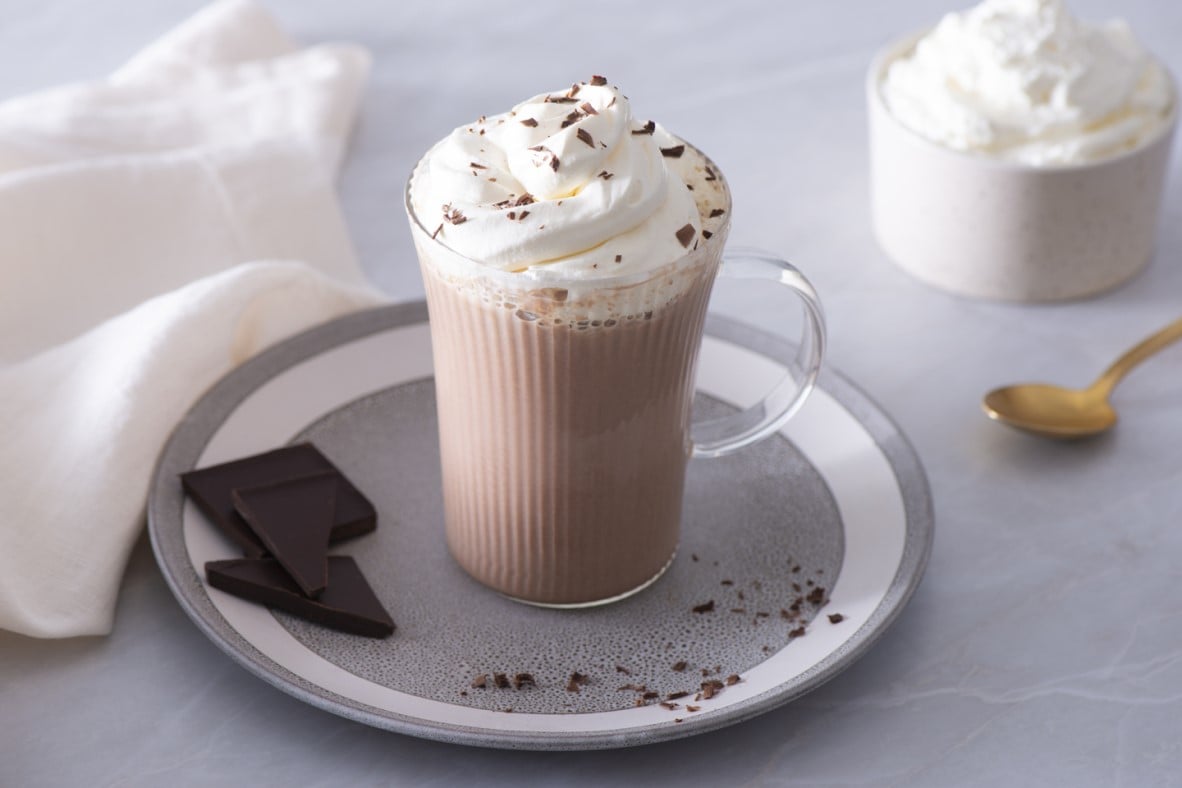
(157, 227)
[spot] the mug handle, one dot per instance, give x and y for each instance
(726, 435)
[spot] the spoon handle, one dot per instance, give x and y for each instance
(1138, 353)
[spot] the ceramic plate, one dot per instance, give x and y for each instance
(835, 509)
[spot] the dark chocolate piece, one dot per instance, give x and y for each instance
(293, 519)
(347, 603)
(210, 490)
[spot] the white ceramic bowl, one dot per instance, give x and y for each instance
(987, 228)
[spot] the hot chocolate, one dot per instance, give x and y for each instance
(568, 253)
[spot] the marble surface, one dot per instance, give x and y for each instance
(1044, 646)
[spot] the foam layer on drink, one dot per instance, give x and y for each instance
(535, 208)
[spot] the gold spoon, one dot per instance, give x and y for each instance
(1056, 412)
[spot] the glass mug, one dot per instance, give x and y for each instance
(564, 413)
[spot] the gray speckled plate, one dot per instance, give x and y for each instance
(838, 501)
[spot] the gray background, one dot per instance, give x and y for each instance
(1045, 644)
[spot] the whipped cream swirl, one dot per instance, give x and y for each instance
(1023, 80)
(569, 182)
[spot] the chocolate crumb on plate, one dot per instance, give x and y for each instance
(670, 706)
(501, 680)
(680, 666)
(705, 607)
(524, 680)
(693, 708)
(480, 682)
(816, 596)
(576, 680)
(624, 670)
(711, 688)
(676, 695)
(796, 633)
(836, 618)
(733, 679)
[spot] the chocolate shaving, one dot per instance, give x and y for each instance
(647, 128)
(674, 152)
(476, 166)
(716, 212)
(559, 100)
(733, 679)
(585, 136)
(816, 596)
(588, 109)
(548, 152)
(598, 81)
(711, 688)
(437, 231)
(707, 234)
(607, 176)
(670, 706)
(501, 680)
(624, 670)
(680, 666)
(705, 607)
(574, 90)
(619, 258)
(524, 680)
(651, 695)
(453, 215)
(571, 119)
(480, 682)
(685, 235)
(710, 176)
(693, 708)
(575, 681)
(533, 124)
(836, 618)
(677, 695)
(796, 633)
(728, 582)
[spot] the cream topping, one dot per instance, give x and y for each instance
(568, 181)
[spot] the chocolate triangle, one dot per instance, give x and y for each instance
(292, 519)
(210, 488)
(347, 604)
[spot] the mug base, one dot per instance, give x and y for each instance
(596, 602)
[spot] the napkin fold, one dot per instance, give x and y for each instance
(157, 228)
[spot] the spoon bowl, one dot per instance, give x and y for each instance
(1051, 411)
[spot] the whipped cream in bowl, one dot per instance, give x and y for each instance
(1019, 153)
(1024, 81)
